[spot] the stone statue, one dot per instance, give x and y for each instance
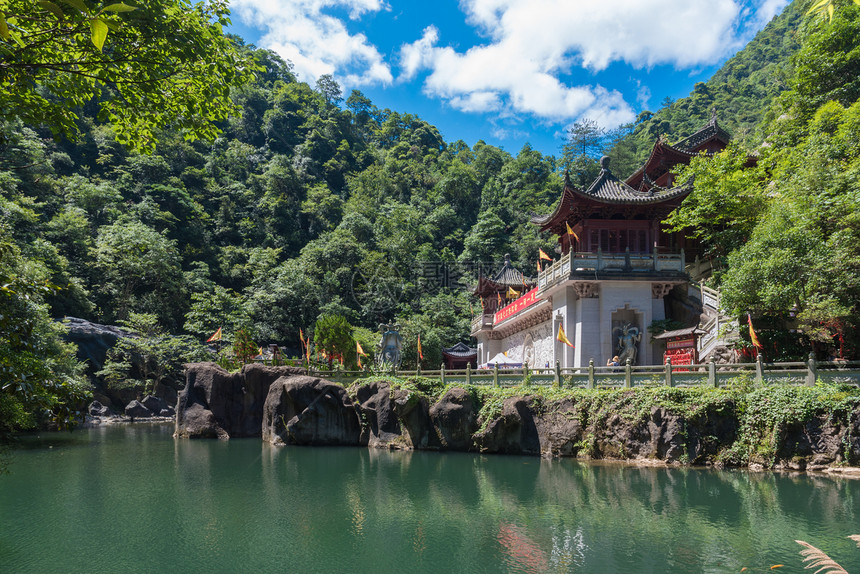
(628, 338)
(388, 350)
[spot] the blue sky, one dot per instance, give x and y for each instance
(508, 72)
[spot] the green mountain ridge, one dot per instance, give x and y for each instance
(741, 92)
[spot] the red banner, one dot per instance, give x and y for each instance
(526, 300)
(681, 343)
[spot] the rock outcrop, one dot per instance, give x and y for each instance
(287, 408)
(455, 419)
(309, 411)
(376, 408)
(514, 431)
(218, 404)
(97, 409)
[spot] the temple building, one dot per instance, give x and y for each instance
(617, 264)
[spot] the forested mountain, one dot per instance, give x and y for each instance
(309, 204)
(306, 204)
(741, 91)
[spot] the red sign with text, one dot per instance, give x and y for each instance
(523, 302)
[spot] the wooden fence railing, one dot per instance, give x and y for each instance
(629, 376)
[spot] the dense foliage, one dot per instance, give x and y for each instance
(788, 229)
(157, 64)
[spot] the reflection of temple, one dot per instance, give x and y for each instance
(617, 264)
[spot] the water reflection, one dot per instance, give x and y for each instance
(243, 505)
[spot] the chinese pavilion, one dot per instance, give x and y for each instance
(617, 264)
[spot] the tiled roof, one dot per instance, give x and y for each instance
(610, 190)
(508, 276)
(460, 350)
(680, 333)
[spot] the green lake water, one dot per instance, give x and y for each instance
(131, 499)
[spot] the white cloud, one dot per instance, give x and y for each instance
(532, 44)
(315, 42)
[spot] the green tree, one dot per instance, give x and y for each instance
(333, 334)
(139, 272)
(153, 65)
(40, 379)
(152, 355)
(726, 202)
(585, 143)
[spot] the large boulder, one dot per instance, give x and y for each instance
(309, 411)
(93, 340)
(413, 412)
(207, 406)
(660, 436)
(454, 419)
(561, 429)
(136, 410)
(97, 409)
(154, 404)
(380, 427)
(513, 432)
(218, 404)
(257, 380)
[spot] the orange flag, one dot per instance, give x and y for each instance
(562, 337)
(420, 354)
(359, 350)
(753, 337)
(215, 337)
(359, 362)
(499, 299)
(301, 336)
(542, 255)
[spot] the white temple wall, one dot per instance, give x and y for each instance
(564, 313)
(532, 345)
(588, 332)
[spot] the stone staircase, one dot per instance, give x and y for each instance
(721, 330)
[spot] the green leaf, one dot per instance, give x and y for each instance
(52, 8)
(113, 25)
(99, 32)
(4, 29)
(77, 4)
(818, 6)
(117, 8)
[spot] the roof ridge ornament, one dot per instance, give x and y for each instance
(604, 163)
(713, 120)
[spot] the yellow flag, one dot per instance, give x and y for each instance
(542, 255)
(753, 336)
(570, 231)
(499, 299)
(512, 293)
(420, 354)
(359, 350)
(215, 337)
(562, 337)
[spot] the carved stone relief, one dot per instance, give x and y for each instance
(586, 290)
